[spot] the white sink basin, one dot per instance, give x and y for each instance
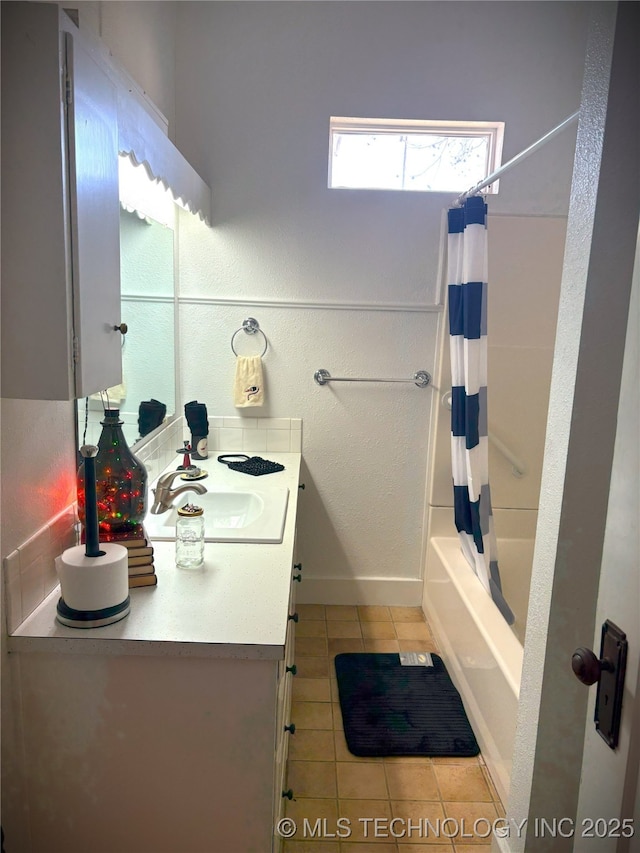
(229, 516)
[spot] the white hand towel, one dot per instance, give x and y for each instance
(248, 386)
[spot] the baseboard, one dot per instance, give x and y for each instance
(399, 592)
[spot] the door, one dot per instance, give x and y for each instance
(586, 558)
(609, 790)
(92, 136)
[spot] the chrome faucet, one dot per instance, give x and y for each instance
(164, 495)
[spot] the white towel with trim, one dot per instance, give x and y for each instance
(248, 386)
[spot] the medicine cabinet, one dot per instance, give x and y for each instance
(67, 112)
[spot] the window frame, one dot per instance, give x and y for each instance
(493, 131)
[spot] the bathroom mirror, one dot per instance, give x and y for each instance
(147, 285)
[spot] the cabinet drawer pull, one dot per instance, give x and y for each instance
(288, 794)
(293, 669)
(297, 578)
(293, 616)
(297, 566)
(122, 328)
(290, 728)
(301, 486)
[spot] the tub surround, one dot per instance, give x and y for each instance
(483, 654)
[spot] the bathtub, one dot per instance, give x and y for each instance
(482, 653)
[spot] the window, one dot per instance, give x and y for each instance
(414, 155)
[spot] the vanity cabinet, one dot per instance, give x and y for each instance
(60, 210)
(165, 750)
(166, 732)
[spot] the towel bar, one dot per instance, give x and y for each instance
(420, 378)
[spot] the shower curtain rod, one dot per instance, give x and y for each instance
(518, 158)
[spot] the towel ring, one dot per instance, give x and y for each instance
(250, 326)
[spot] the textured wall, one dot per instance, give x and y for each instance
(256, 84)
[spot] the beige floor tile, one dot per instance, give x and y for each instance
(343, 629)
(335, 693)
(407, 614)
(330, 782)
(343, 754)
(474, 821)
(311, 611)
(452, 759)
(312, 778)
(313, 646)
(416, 645)
(307, 810)
(311, 846)
(374, 613)
(411, 781)
(378, 630)
(361, 781)
(362, 813)
(341, 612)
(311, 628)
(311, 689)
(312, 667)
(311, 715)
(310, 745)
(380, 646)
(492, 788)
(421, 821)
(472, 848)
(462, 783)
(412, 631)
(340, 645)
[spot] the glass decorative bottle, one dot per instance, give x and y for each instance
(121, 482)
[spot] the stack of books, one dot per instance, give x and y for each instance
(141, 569)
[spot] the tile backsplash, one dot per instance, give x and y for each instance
(226, 434)
(255, 435)
(29, 571)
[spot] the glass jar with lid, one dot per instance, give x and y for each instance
(190, 537)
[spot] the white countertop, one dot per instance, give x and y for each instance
(235, 606)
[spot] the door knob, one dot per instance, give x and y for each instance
(587, 667)
(609, 671)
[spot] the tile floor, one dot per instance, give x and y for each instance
(329, 783)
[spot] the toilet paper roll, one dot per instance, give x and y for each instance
(93, 583)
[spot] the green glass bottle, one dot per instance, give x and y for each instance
(121, 483)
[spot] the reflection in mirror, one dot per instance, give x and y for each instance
(146, 275)
(148, 309)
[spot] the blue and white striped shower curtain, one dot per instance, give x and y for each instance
(467, 277)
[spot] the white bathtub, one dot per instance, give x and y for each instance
(482, 653)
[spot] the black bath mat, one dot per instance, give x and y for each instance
(393, 709)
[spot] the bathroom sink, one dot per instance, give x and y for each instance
(229, 516)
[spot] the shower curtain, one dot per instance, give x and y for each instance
(467, 277)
